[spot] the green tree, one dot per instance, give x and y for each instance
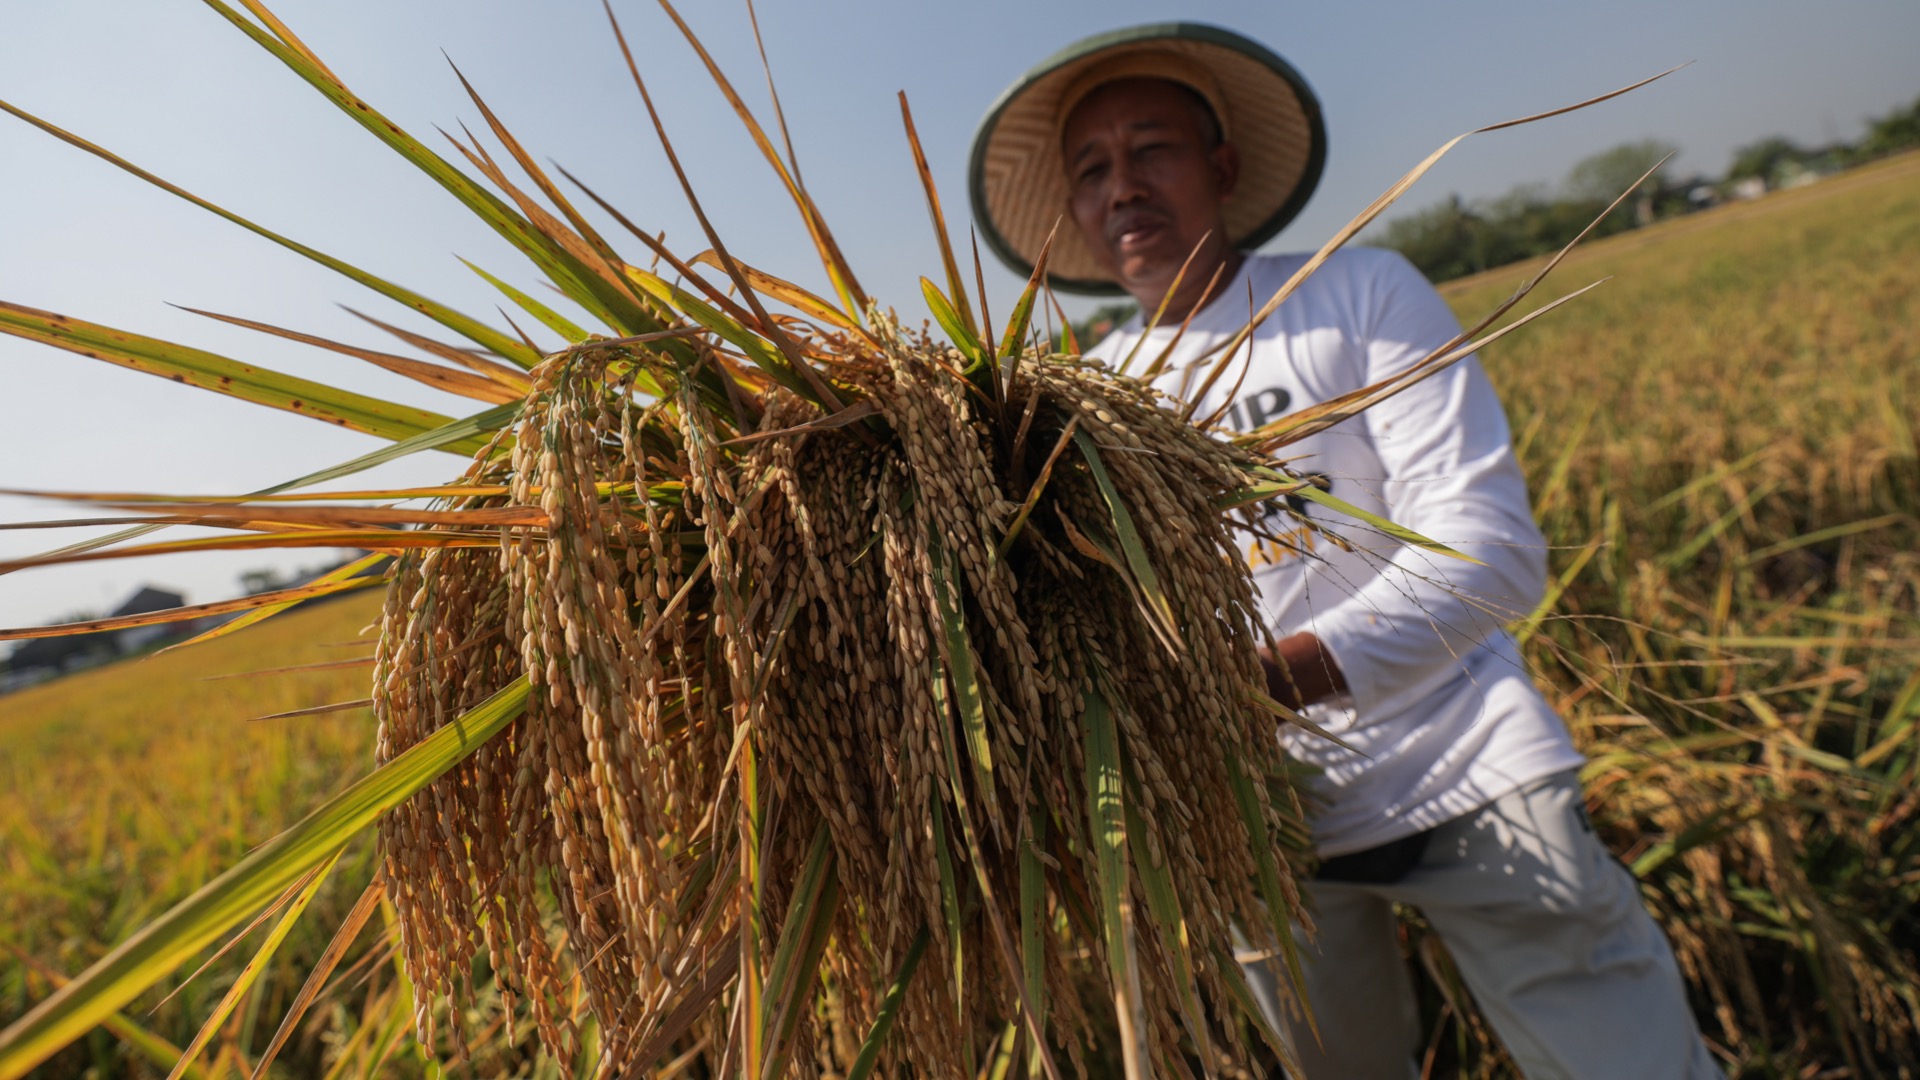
(1445, 240)
(1898, 130)
(1602, 177)
(1764, 158)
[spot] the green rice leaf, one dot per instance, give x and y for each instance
(762, 354)
(330, 958)
(472, 329)
(1235, 980)
(1163, 903)
(209, 371)
(950, 903)
(1033, 927)
(889, 1010)
(221, 904)
(1399, 532)
(1107, 834)
(964, 314)
(959, 668)
(1896, 725)
(803, 939)
(1013, 341)
(604, 298)
(1154, 598)
(1267, 874)
(140, 1039)
(546, 316)
(1002, 1060)
(338, 575)
(306, 890)
(950, 321)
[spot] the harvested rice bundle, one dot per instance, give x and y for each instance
(972, 674)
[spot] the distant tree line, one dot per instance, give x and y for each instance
(1456, 237)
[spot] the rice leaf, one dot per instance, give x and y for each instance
(758, 351)
(1166, 298)
(1163, 904)
(1267, 875)
(283, 517)
(243, 982)
(343, 939)
(716, 974)
(950, 904)
(1524, 630)
(977, 855)
(1831, 532)
(845, 285)
(951, 321)
(803, 938)
(1896, 725)
(955, 285)
(472, 329)
(461, 436)
(281, 597)
(1312, 493)
(1317, 418)
(1107, 834)
(1154, 597)
(209, 371)
(1013, 345)
(889, 1011)
(1033, 914)
(142, 1040)
(507, 377)
(582, 241)
(786, 292)
(1241, 995)
(1160, 362)
(1298, 719)
(464, 383)
(1389, 197)
(1002, 1060)
(1033, 493)
(546, 316)
(968, 701)
(382, 540)
(171, 939)
(605, 299)
(821, 392)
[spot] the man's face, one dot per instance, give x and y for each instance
(1146, 185)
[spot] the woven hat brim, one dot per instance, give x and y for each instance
(1019, 188)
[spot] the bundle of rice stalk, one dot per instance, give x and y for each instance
(973, 673)
(773, 683)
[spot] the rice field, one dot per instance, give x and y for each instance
(1721, 448)
(1720, 444)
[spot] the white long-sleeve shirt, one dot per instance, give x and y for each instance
(1439, 705)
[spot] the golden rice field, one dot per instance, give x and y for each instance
(1722, 449)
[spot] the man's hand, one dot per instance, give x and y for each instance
(1301, 672)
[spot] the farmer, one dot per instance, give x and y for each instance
(1461, 794)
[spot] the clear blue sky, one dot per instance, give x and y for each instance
(173, 87)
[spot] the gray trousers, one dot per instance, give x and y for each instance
(1546, 929)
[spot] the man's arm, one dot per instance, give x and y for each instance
(1450, 474)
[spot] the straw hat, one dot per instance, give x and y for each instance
(1019, 186)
